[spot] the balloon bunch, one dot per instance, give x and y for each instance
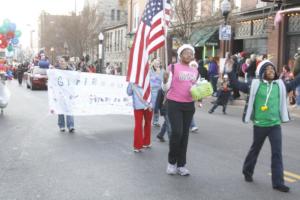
(9, 36)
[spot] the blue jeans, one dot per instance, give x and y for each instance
(166, 127)
(275, 138)
(61, 121)
(156, 118)
(193, 124)
(298, 96)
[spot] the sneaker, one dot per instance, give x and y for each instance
(248, 178)
(137, 150)
(160, 138)
(194, 129)
(62, 129)
(210, 111)
(225, 113)
(71, 130)
(282, 188)
(156, 124)
(147, 146)
(171, 169)
(183, 171)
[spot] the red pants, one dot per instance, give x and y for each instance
(141, 139)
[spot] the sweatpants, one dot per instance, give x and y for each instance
(142, 135)
(275, 138)
(180, 116)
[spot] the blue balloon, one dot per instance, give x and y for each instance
(12, 27)
(15, 41)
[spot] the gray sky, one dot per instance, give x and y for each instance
(25, 13)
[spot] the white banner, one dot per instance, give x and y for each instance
(79, 93)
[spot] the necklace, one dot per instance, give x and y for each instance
(269, 90)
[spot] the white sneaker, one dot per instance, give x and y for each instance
(183, 171)
(194, 129)
(171, 169)
(62, 129)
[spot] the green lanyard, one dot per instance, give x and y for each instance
(269, 90)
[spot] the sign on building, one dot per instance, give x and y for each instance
(225, 32)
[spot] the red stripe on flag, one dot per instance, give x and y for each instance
(155, 36)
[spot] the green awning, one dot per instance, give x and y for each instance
(207, 36)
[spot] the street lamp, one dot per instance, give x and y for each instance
(66, 47)
(100, 50)
(52, 52)
(225, 8)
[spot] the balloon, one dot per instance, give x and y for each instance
(2, 36)
(12, 27)
(18, 33)
(3, 44)
(10, 48)
(10, 35)
(6, 21)
(15, 41)
(3, 29)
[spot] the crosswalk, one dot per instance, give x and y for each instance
(290, 177)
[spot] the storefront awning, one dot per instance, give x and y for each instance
(207, 36)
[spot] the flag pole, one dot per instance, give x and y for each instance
(166, 36)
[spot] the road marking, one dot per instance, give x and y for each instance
(293, 175)
(289, 176)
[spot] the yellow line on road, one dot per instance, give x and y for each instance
(290, 174)
(290, 180)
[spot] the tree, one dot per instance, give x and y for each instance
(90, 27)
(191, 14)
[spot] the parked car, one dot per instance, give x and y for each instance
(36, 78)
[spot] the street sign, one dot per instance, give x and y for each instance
(225, 32)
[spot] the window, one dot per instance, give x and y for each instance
(135, 17)
(115, 42)
(121, 42)
(112, 14)
(215, 6)
(118, 15)
(238, 5)
(199, 8)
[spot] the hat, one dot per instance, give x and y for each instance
(183, 47)
(262, 66)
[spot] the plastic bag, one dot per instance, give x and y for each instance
(201, 90)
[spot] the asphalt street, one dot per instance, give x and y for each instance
(97, 161)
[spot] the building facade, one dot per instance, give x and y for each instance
(115, 49)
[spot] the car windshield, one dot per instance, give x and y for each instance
(38, 70)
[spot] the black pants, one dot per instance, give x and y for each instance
(216, 105)
(180, 116)
(259, 136)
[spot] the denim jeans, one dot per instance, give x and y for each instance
(214, 81)
(166, 127)
(156, 118)
(61, 121)
(193, 124)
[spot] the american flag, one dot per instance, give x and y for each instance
(149, 37)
